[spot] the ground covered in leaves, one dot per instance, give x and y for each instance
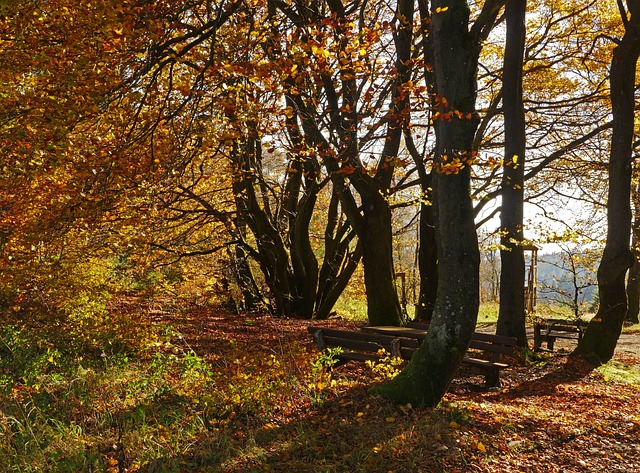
(221, 392)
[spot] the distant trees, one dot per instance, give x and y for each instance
(575, 263)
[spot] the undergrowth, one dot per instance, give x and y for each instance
(242, 401)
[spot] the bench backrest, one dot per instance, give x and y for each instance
(364, 341)
(493, 343)
(402, 346)
(482, 341)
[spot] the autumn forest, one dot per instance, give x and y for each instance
(188, 188)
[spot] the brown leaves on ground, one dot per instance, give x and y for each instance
(558, 415)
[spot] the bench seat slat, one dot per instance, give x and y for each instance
(481, 362)
(352, 335)
(362, 345)
(492, 347)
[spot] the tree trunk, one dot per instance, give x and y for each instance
(339, 263)
(272, 255)
(603, 331)
(244, 277)
(383, 305)
(304, 262)
(511, 319)
(427, 264)
(427, 251)
(455, 51)
(633, 281)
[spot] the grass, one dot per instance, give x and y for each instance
(355, 309)
(350, 308)
(621, 372)
(488, 313)
(77, 414)
(635, 328)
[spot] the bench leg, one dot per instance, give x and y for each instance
(492, 378)
(550, 342)
(537, 342)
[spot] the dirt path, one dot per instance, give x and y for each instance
(628, 343)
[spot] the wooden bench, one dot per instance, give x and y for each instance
(492, 345)
(364, 345)
(547, 330)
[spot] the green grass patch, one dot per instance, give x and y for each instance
(351, 309)
(635, 328)
(553, 311)
(622, 372)
(488, 313)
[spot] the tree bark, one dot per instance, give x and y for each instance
(427, 264)
(633, 281)
(427, 251)
(511, 318)
(303, 259)
(455, 52)
(602, 333)
(383, 305)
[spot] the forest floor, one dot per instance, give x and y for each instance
(228, 393)
(555, 414)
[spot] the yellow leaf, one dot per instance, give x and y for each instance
(390, 419)
(363, 52)
(50, 359)
(454, 425)
(441, 9)
(515, 158)
(618, 455)
(481, 447)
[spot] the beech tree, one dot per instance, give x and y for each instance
(511, 319)
(456, 47)
(601, 335)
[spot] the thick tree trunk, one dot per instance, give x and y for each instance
(383, 305)
(603, 331)
(428, 375)
(511, 319)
